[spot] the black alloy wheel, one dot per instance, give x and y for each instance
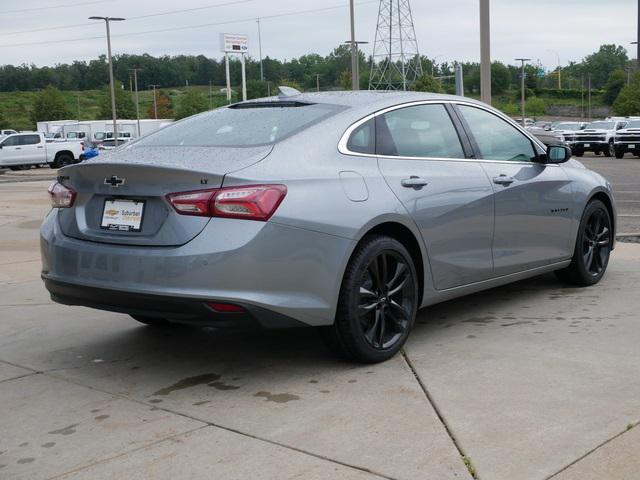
(377, 304)
(596, 242)
(592, 248)
(386, 299)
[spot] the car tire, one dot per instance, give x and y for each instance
(619, 153)
(578, 153)
(611, 149)
(592, 248)
(377, 304)
(151, 321)
(62, 160)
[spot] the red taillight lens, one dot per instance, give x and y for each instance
(225, 307)
(253, 202)
(61, 196)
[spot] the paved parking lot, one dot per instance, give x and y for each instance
(530, 381)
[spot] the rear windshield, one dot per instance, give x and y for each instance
(242, 125)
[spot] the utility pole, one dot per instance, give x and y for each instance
(226, 68)
(135, 83)
(317, 82)
(355, 82)
(582, 93)
(523, 60)
(155, 101)
(111, 84)
(589, 94)
(355, 75)
(485, 53)
(260, 50)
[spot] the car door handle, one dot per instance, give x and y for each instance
(40, 146)
(503, 180)
(413, 182)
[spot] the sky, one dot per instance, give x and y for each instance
(446, 30)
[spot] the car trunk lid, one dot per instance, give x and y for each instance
(141, 178)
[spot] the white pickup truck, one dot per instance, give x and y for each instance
(21, 150)
(598, 137)
(628, 139)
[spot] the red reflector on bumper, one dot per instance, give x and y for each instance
(225, 307)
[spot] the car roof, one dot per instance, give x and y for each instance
(363, 98)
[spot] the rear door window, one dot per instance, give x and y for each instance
(29, 139)
(418, 131)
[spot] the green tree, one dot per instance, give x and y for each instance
(256, 89)
(49, 104)
(536, 106)
(3, 120)
(601, 63)
(615, 82)
(191, 103)
(628, 101)
(125, 108)
(426, 83)
(500, 78)
(510, 109)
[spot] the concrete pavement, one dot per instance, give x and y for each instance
(529, 381)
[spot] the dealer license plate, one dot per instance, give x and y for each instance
(122, 215)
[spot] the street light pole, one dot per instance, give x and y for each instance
(155, 101)
(112, 86)
(260, 50)
(523, 60)
(559, 69)
(485, 52)
(135, 83)
(355, 81)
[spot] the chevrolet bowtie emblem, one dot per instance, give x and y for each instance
(114, 181)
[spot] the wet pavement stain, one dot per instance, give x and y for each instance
(188, 382)
(521, 322)
(325, 391)
(69, 430)
(277, 397)
(24, 444)
(480, 320)
(313, 381)
(26, 460)
(95, 410)
(48, 444)
(197, 404)
(223, 386)
(155, 400)
(471, 336)
(353, 381)
(100, 418)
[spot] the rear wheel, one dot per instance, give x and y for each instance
(592, 249)
(378, 302)
(62, 160)
(152, 321)
(611, 149)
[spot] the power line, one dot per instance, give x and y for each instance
(37, 9)
(171, 12)
(187, 27)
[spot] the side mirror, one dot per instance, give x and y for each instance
(558, 154)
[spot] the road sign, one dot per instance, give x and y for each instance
(234, 43)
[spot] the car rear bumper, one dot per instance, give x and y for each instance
(288, 271)
(174, 309)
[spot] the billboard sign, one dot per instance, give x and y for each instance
(234, 43)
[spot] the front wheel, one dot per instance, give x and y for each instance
(619, 153)
(592, 249)
(378, 302)
(578, 153)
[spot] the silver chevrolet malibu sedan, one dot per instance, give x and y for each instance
(347, 211)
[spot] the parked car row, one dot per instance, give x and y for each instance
(612, 136)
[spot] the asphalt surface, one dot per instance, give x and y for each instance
(532, 381)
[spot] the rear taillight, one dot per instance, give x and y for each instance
(61, 196)
(253, 202)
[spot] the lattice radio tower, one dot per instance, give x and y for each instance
(396, 60)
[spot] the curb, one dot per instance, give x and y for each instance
(628, 237)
